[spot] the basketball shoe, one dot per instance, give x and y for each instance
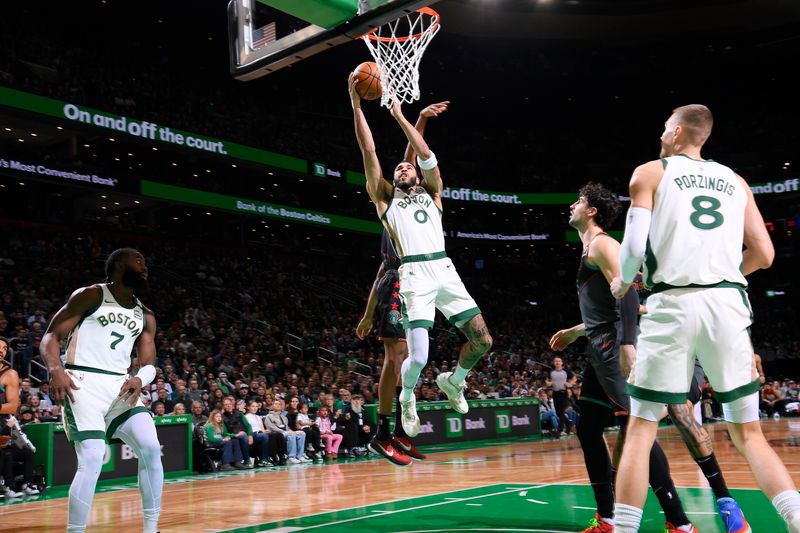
(669, 528)
(407, 445)
(455, 393)
(732, 516)
(409, 417)
(598, 525)
(389, 451)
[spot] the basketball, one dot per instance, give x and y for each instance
(369, 81)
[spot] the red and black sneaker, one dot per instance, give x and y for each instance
(407, 445)
(386, 449)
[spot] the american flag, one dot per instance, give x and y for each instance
(264, 35)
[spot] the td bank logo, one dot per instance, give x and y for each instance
(319, 170)
(502, 421)
(454, 425)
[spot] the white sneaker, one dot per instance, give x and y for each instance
(293, 460)
(455, 393)
(409, 417)
(304, 459)
(12, 494)
(27, 489)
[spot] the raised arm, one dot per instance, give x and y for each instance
(365, 325)
(62, 324)
(433, 180)
(433, 110)
(759, 252)
(379, 190)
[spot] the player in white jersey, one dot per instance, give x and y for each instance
(412, 214)
(691, 216)
(103, 325)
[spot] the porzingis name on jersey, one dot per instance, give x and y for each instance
(699, 181)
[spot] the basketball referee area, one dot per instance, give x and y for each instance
(217, 137)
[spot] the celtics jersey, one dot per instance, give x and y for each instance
(104, 338)
(414, 223)
(697, 226)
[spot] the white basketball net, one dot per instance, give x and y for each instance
(397, 47)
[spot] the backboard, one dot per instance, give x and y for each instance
(267, 35)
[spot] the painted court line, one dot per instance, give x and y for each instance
(587, 508)
(437, 504)
(539, 502)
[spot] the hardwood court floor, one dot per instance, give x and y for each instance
(525, 486)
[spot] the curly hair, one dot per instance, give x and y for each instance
(117, 255)
(607, 205)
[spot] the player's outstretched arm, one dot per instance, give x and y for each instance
(365, 324)
(759, 252)
(62, 324)
(563, 338)
(433, 110)
(427, 160)
(379, 190)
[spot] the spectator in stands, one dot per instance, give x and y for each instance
(24, 391)
(218, 437)
(547, 413)
(198, 414)
(27, 416)
(181, 395)
(238, 426)
(44, 395)
(355, 430)
(179, 409)
(163, 397)
(194, 392)
(223, 383)
(332, 440)
(277, 423)
(35, 403)
(311, 429)
(771, 399)
(261, 440)
(158, 408)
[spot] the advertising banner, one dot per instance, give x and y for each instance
(58, 456)
(486, 419)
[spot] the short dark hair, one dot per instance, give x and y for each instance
(604, 201)
(117, 255)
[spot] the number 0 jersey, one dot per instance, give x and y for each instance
(697, 226)
(104, 338)
(414, 223)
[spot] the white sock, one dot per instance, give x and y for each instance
(459, 375)
(418, 341)
(787, 503)
(81, 492)
(607, 520)
(687, 527)
(627, 518)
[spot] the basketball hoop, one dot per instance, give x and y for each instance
(397, 48)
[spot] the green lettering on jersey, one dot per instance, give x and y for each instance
(102, 320)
